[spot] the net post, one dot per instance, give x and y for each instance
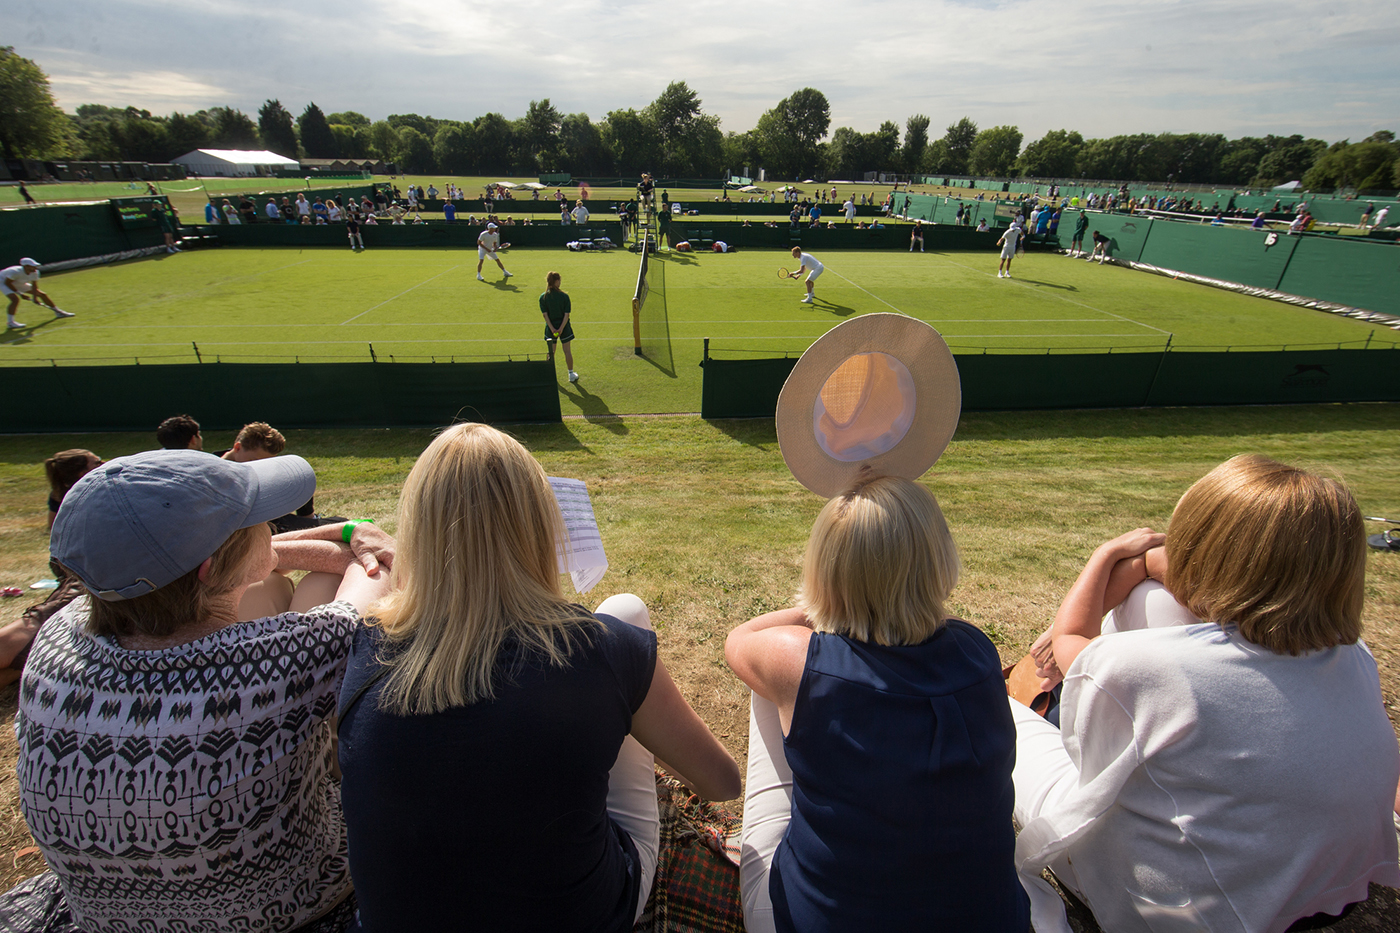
(636, 327)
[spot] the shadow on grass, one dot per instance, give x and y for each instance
(593, 408)
(821, 304)
(1068, 288)
(758, 433)
(1179, 422)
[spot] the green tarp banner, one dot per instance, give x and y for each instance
(68, 231)
(1234, 254)
(992, 382)
(228, 395)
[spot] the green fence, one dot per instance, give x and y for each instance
(1233, 254)
(1347, 270)
(749, 388)
(842, 236)
(228, 395)
(69, 231)
(437, 234)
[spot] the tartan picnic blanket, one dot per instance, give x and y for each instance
(697, 873)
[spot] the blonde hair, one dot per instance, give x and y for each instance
(183, 601)
(1278, 551)
(262, 436)
(880, 564)
(477, 564)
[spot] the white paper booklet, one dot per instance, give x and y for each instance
(584, 561)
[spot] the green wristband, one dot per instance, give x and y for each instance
(349, 528)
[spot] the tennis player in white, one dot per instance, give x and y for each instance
(23, 281)
(486, 246)
(811, 263)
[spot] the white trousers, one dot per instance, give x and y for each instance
(767, 812)
(1042, 777)
(632, 780)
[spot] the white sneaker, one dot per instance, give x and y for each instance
(479, 278)
(807, 300)
(1008, 275)
(16, 325)
(573, 376)
(59, 312)
(508, 274)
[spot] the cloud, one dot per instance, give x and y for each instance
(1239, 67)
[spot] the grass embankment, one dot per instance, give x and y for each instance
(704, 522)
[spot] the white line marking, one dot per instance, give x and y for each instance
(401, 294)
(1126, 320)
(868, 292)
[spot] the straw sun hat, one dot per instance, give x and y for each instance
(878, 395)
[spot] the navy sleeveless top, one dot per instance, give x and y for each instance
(901, 808)
(493, 816)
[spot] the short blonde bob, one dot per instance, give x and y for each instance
(880, 564)
(477, 564)
(1278, 551)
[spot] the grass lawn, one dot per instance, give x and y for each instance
(704, 521)
(322, 304)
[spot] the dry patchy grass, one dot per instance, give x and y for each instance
(703, 521)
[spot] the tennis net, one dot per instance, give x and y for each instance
(651, 328)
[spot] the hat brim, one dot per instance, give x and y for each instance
(937, 390)
(284, 484)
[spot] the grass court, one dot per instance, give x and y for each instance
(420, 305)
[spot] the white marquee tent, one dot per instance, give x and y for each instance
(233, 162)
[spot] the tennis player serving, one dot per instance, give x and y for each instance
(814, 267)
(486, 246)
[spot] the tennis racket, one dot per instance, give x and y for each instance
(504, 246)
(783, 273)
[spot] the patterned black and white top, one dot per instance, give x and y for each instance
(188, 788)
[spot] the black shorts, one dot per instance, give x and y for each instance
(565, 336)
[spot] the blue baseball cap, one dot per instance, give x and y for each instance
(138, 523)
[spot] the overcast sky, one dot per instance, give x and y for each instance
(1324, 68)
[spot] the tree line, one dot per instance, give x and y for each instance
(673, 137)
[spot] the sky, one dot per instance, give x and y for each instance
(1326, 69)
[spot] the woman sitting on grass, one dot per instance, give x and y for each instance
(880, 744)
(1238, 773)
(497, 741)
(174, 761)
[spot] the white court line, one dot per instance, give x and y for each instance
(597, 321)
(88, 319)
(401, 294)
(1126, 320)
(868, 292)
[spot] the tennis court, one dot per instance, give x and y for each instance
(285, 305)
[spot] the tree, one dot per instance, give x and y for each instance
(275, 128)
(452, 148)
(415, 152)
(186, 134)
(915, 141)
(634, 141)
(352, 142)
(957, 143)
(384, 140)
(741, 152)
(788, 134)
(537, 136)
(494, 138)
(1287, 159)
(232, 129)
(690, 141)
(316, 136)
(1239, 160)
(581, 146)
(1051, 156)
(935, 160)
(423, 125)
(31, 125)
(994, 151)
(348, 118)
(1363, 166)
